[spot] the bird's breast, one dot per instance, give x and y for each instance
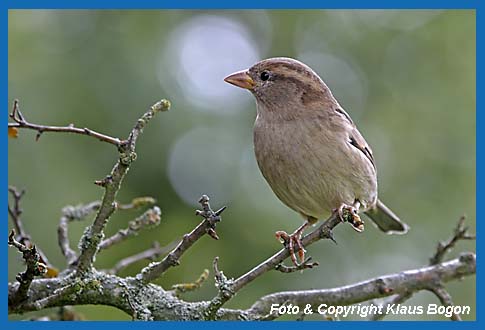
(305, 167)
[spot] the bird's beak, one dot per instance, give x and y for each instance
(240, 79)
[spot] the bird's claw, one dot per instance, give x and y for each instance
(348, 213)
(293, 242)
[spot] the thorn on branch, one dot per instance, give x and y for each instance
(104, 182)
(16, 115)
(210, 216)
(327, 233)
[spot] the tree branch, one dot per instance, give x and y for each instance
(445, 299)
(411, 280)
(22, 237)
(151, 302)
(83, 284)
(21, 122)
(151, 254)
(231, 287)
(15, 211)
(93, 235)
(34, 268)
(186, 287)
(150, 218)
(155, 269)
(459, 233)
(72, 213)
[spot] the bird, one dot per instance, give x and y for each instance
(310, 151)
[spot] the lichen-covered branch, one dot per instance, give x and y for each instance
(151, 302)
(93, 235)
(34, 268)
(382, 286)
(155, 269)
(459, 233)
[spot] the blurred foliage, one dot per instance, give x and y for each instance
(406, 77)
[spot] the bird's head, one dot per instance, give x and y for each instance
(282, 84)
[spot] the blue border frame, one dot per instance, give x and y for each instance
(247, 4)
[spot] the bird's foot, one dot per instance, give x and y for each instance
(293, 244)
(348, 213)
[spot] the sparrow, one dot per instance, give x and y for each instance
(310, 151)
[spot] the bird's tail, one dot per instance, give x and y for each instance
(386, 220)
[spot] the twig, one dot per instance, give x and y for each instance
(148, 219)
(93, 235)
(397, 299)
(186, 287)
(307, 264)
(324, 231)
(34, 268)
(137, 203)
(69, 214)
(22, 237)
(225, 289)
(151, 254)
(460, 233)
(70, 289)
(21, 122)
(15, 213)
(207, 226)
(445, 299)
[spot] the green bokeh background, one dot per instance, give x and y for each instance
(406, 77)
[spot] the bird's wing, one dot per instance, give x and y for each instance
(355, 138)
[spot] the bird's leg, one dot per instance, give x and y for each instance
(294, 241)
(350, 214)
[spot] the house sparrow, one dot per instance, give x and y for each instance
(309, 149)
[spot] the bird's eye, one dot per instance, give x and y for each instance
(264, 75)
